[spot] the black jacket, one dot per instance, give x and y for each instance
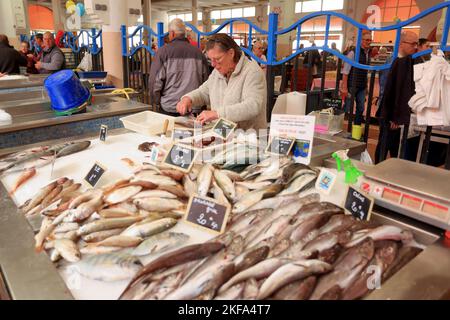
(399, 89)
(10, 60)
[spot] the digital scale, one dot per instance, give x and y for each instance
(415, 190)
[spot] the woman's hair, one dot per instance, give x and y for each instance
(27, 43)
(225, 43)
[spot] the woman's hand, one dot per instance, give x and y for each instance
(184, 106)
(207, 116)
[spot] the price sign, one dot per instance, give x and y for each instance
(358, 204)
(280, 146)
(95, 174)
(180, 134)
(103, 133)
(224, 128)
(207, 214)
(181, 157)
(332, 103)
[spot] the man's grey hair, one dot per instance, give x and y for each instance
(178, 27)
(407, 34)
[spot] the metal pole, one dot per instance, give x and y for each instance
(271, 57)
(426, 145)
(322, 83)
(369, 106)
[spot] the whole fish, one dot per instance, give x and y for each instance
(84, 210)
(259, 271)
(292, 272)
(154, 194)
(47, 228)
(101, 235)
(161, 243)
(23, 178)
(254, 185)
(273, 228)
(256, 169)
(109, 267)
(149, 229)
(61, 150)
(39, 197)
(67, 191)
(123, 194)
(385, 255)
(297, 290)
(308, 225)
(274, 203)
(66, 227)
(254, 197)
(70, 235)
(174, 174)
(208, 282)
(293, 171)
(107, 224)
(225, 183)
(49, 199)
(91, 249)
(156, 205)
(219, 195)
(119, 241)
(327, 241)
(384, 233)
(204, 180)
(115, 213)
(300, 184)
(346, 270)
(250, 257)
(68, 250)
(174, 258)
(251, 290)
(337, 223)
(151, 177)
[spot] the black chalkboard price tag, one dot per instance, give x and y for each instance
(180, 134)
(181, 157)
(94, 175)
(207, 214)
(280, 146)
(332, 103)
(358, 204)
(224, 128)
(103, 133)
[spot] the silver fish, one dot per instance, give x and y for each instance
(154, 194)
(204, 180)
(150, 176)
(123, 194)
(149, 229)
(101, 235)
(300, 184)
(156, 205)
(384, 233)
(225, 183)
(291, 272)
(107, 224)
(68, 250)
(161, 242)
(109, 267)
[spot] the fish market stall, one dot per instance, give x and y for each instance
(283, 240)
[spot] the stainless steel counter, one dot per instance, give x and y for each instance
(28, 82)
(29, 275)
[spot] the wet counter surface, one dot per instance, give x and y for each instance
(29, 275)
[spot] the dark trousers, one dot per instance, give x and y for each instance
(389, 140)
(171, 114)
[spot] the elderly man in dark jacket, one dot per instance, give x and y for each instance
(53, 59)
(10, 59)
(177, 69)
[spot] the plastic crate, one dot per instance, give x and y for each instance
(148, 123)
(326, 123)
(92, 74)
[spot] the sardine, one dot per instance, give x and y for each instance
(109, 267)
(107, 224)
(102, 235)
(292, 272)
(149, 229)
(161, 243)
(123, 194)
(156, 205)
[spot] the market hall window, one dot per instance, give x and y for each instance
(318, 5)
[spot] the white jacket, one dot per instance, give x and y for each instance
(431, 103)
(242, 99)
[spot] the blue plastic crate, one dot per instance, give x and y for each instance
(92, 75)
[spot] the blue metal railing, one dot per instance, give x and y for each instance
(273, 34)
(94, 41)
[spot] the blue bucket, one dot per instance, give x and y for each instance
(66, 91)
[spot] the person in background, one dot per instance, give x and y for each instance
(313, 60)
(177, 68)
(394, 110)
(27, 54)
(10, 59)
(258, 50)
(53, 59)
(424, 45)
(236, 90)
(355, 79)
(38, 45)
(334, 47)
